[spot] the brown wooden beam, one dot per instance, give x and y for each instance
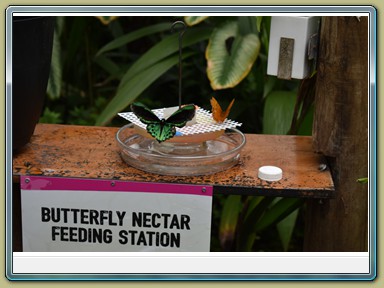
(340, 132)
(92, 152)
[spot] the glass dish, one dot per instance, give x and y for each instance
(180, 158)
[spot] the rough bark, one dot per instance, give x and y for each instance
(340, 132)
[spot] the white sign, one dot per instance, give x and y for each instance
(87, 215)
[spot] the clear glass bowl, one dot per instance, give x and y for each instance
(178, 158)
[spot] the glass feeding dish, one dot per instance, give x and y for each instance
(181, 158)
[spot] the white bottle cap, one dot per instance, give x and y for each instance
(270, 173)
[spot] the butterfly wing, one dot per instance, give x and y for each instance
(144, 114)
(161, 131)
(217, 113)
(216, 110)
(229, 108)
(180, 117)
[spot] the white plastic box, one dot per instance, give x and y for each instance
(299, 28)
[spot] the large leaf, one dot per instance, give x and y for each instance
(132, 88)
(278, 112)
(229, 62)
(228, 221)
(285, 228)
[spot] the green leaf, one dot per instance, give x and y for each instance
(228, 222)
(259, 19)
(278, 112)
(285, 228)
(265, 28)
(247, 25)
(130, 37)
(277, 212)
(50, 117)
(247, 234)
(55, 74)
(306, 126)
(134, 86)
(225, 69)
(108, 65)
(193, 20)
(251, 203)
(75, 39)
(363, 180)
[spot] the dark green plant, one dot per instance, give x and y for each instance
(72, 86)
(83, 72)
(227, 63)
(244, 220)
(50, 117)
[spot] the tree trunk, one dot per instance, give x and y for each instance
(340, 132)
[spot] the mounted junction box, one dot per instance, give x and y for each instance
(292, 46)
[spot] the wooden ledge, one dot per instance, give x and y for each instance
(92, 152)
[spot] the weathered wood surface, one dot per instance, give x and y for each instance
(284, 69)
(341, 133)
(92, 152)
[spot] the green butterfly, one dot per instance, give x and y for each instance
(163, 129)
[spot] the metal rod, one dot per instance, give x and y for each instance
(181, 33)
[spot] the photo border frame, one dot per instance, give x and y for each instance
(213, 10)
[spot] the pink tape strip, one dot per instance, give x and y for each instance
(77, 184)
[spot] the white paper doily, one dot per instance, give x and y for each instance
(204, 122)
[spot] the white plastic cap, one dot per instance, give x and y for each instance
(270, 173)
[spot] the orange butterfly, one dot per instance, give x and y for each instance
(217, 113)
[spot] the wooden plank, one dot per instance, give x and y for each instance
(92, 152)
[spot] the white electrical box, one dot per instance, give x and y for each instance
(291, 46)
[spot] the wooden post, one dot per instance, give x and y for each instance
(340, 132)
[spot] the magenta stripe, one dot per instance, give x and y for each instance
(79, 184)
